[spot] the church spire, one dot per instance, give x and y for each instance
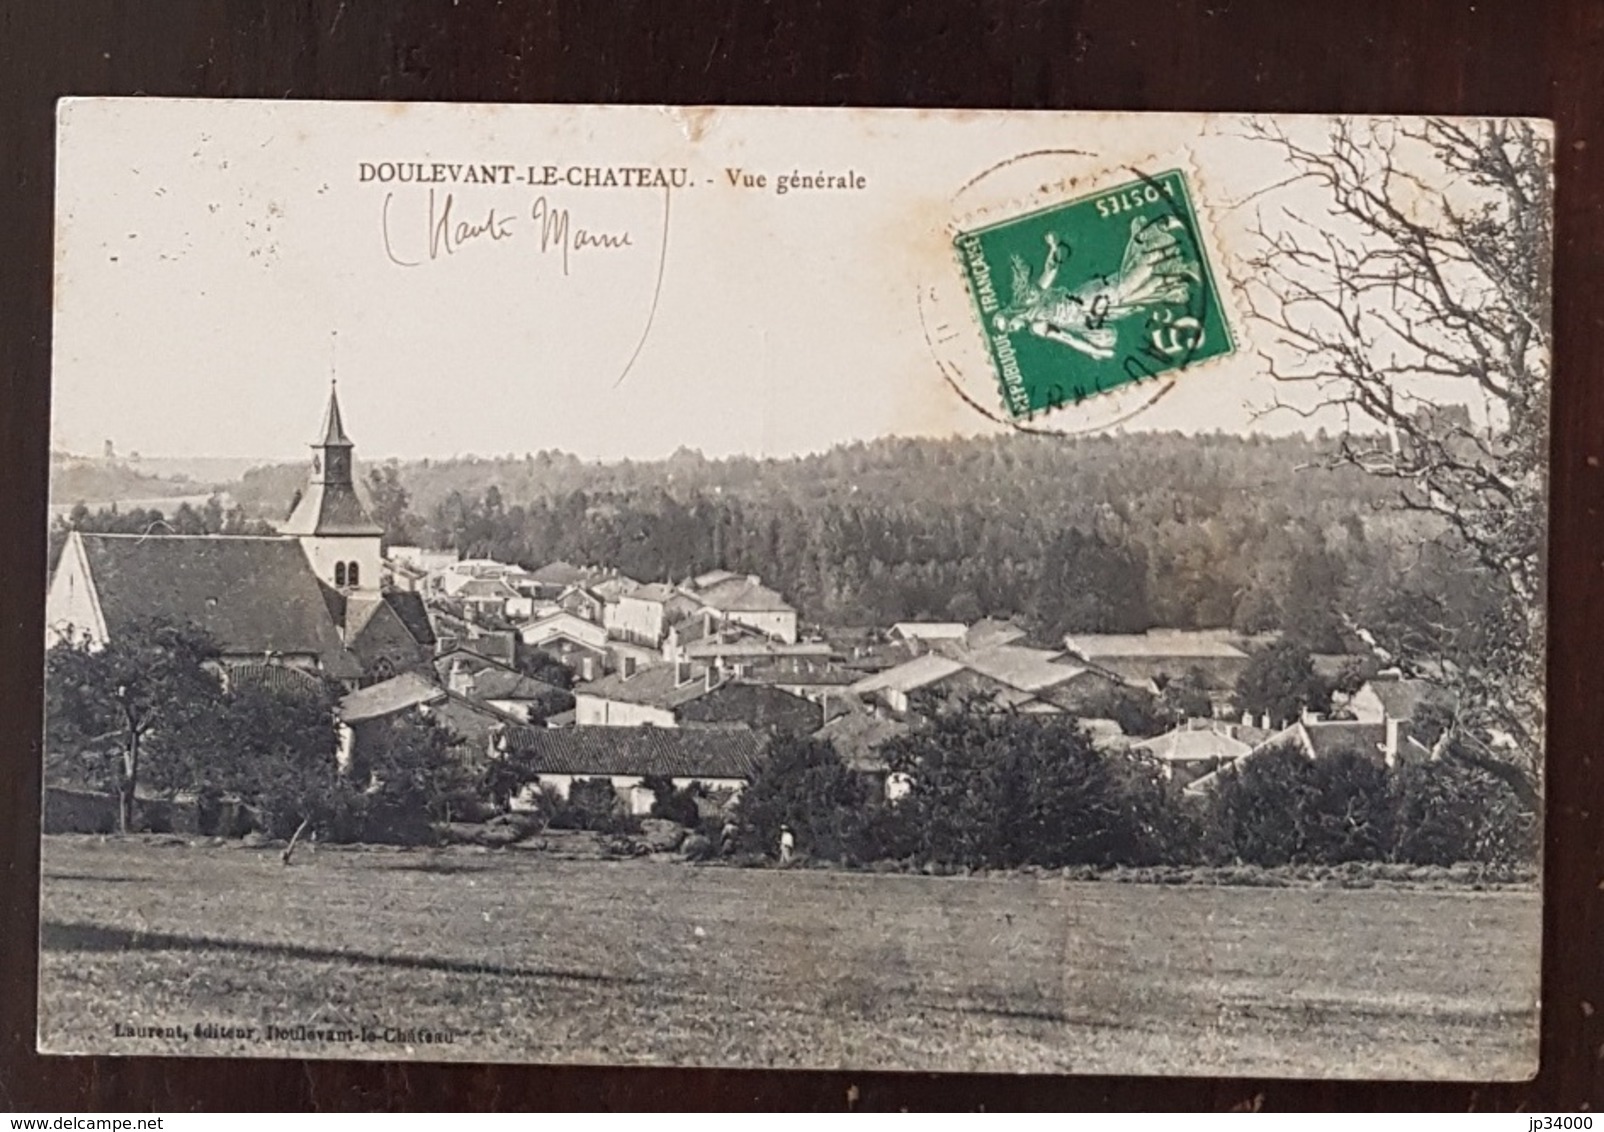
(330, 505)
(333, 426)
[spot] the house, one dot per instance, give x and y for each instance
(613, 586)
(1047, 675)
(362, 714)
(824, 682)
(1152, 657)
(452, 633)
(1388, 744)
(928, 632)
(420, 560)
(745, 600)
(583, 603)
(1190, 751)
(565, 626)
(487, 598)
(640, 615)
(578, 643)
(762, 707)
(633, 697)
(742, 648)
(628, 654)
(504, 689)
(553, 578)
(311, 597)
(859, 738)
(989, 633)
(1035, 681)
(933, 673)
(1385, 698)
(721, 759)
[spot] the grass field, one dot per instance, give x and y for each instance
(523, 956)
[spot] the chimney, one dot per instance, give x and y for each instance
(1247, 719)
(707, 678)
(1395, 735)
(587, 668)
(1264, 722)
(626, 666)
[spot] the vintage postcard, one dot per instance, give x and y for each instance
(882, 589)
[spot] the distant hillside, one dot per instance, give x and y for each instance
(82, 479)
(1104, 533)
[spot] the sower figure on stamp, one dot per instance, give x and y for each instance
(1154, 269)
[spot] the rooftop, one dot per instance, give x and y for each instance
(656, 686)
(252, 594)
(388, 697)
(1401, 698)
(724, 752)
(930, 630)
(1028, 669)
(742, 595)
(1186, 745)
(1164, 644)
(910, 675)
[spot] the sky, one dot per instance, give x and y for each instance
(217, 263)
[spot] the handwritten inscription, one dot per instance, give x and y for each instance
(448, 230)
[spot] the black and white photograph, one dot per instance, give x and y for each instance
(941, 591)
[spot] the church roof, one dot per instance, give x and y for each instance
(333, 426)
(330, 509)
(413, 613)
(253, 595)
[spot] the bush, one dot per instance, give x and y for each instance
(1447, 812)
(675, 805)
(592, 804)
(997, 790)
(1283, 808)
(803, 783)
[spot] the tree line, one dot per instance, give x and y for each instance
(149, 712)
(993, 790)
(1082, 534)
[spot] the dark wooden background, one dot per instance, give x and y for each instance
(1391, 56)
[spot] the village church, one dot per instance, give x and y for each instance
(307, 600)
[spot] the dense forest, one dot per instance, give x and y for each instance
(1106, 533)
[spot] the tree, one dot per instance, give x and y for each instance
(414, 772)
(673, 803)
(1280, 682)
(1424, 265)
(1281, 807)
(991, 789)
(144, 704)
(803, 783)
(391, 505)
(279, 758)
(541, 665)
(1186, 697)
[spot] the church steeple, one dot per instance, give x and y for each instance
(339, 536)
(331, 456)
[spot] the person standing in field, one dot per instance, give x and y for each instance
(787, 844)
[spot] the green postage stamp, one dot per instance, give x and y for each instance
(1095, 293)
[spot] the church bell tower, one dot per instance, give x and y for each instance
(340, 538)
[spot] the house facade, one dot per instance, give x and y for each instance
(723, 760)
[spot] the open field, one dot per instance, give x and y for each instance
(522, 956)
